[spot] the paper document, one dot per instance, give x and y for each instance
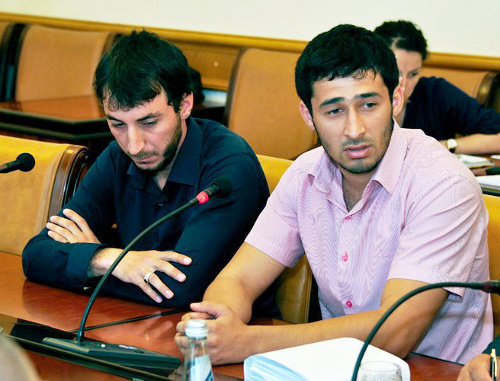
(489, 182)
(474, 161)
(326, 360)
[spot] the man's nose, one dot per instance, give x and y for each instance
(135, 141)
(355, 126)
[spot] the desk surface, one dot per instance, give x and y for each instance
(63, 310)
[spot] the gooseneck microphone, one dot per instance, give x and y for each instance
(220, 187)
(491, 286)
(24, 162)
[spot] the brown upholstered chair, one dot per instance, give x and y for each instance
(263, 107)
(295, 295)
(493, 206)
(479, 84)
(9, 46)
(58, 63)
(27, 199)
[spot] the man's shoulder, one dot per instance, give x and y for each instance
(220, 140)
(426, 159)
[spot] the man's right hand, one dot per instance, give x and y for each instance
(137, 264)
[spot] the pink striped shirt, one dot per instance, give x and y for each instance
(421, 217)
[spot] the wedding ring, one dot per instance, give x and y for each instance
(146, 277)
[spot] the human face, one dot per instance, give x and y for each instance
(353, 119)
(151, 132)
(409, 66)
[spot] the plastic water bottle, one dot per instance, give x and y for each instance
(197, 365)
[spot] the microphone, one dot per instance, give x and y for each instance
(221, 187)
(491, 286)
(24, 162)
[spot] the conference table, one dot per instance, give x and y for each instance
(113, 320)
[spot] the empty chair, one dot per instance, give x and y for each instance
(263, 106)
(58, 63)
(27, 199)
(493, 206)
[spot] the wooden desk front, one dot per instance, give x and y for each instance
(63, 310)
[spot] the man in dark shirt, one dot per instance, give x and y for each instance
(434, 105)
(160, 160)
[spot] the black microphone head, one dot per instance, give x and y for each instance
(26, 162)
(225, 186)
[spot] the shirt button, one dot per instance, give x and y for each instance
(348, 304)
(345, 257)
(348, 217)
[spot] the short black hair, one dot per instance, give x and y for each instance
(344, 51)
(137, 68)
(403, 35)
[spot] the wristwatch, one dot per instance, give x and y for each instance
(451, 144)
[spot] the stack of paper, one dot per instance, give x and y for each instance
(326, 360)
(489, 183)
(474, 161)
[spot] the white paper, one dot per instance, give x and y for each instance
(491, 180)
(474, 161)
(325, 360)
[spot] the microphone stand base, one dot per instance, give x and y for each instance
(117, 353)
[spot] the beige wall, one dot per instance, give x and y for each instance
(451, 26)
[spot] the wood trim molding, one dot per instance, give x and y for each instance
(213, 54)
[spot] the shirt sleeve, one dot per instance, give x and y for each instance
(444, 232)
(276, 231)
(66, 264)
(464, 113)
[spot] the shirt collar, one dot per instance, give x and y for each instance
(186, 167)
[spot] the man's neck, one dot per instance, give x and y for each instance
(353, 186)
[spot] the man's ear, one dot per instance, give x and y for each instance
(186, 106)
(306, 115)
(397, 100)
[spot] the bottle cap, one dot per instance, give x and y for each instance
(197, 329)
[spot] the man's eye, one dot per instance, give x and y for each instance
(413, 75)
(334, 111)
(117, 125)
(149, 123)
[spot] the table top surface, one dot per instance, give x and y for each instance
(63, 310)
(72, 109)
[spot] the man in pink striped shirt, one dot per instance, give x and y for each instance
(378, 210)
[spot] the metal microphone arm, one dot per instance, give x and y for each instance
(490, 287)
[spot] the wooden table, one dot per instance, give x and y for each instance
(63, 310)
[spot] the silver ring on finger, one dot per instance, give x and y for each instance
(146, 277)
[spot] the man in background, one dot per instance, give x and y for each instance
(379, 211)
(160, 160)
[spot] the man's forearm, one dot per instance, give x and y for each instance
(237, 300)
(102, 261)
(478, 144)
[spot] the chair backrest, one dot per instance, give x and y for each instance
(295, 286)
(479, 84)
(58, 63)
(493, 206)
(10, 36)
(263, 107)
(27, 199)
